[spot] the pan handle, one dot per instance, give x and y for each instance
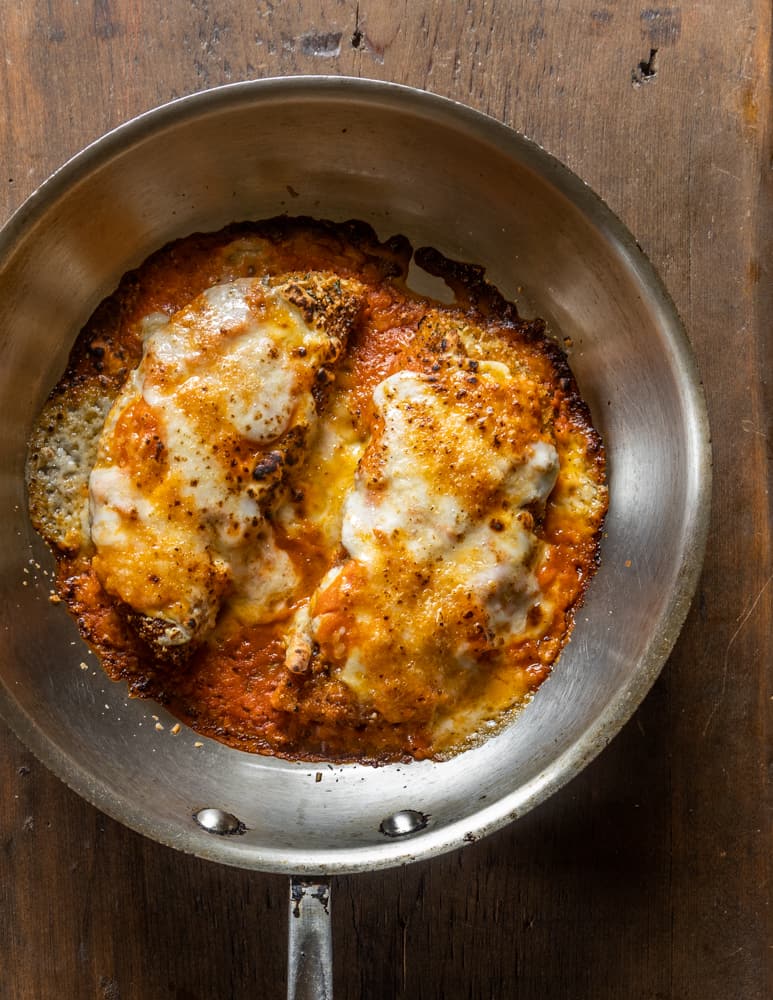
(310, 942)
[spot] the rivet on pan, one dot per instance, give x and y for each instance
(401, 823)
(218, 821)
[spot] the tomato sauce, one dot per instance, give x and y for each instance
(236, 687)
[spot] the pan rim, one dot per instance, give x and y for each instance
(433, 841)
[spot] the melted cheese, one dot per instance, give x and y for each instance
(438, 528)
(375, 546)
(407, 499)
(325, 478)
(191, 456)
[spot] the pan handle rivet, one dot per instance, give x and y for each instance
(218, 821)
(401, 823)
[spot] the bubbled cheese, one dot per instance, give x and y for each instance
(193, 451)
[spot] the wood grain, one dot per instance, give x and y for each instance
(646, 878)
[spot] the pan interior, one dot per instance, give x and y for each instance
(407, 163)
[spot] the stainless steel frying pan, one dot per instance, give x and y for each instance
(407, 162)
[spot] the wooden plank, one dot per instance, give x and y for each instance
(648, 877)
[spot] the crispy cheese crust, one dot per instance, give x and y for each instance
(314, 514)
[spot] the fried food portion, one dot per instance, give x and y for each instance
(197, 446)
(446, 603)
(312, 512)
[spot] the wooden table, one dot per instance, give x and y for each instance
(647, 877)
